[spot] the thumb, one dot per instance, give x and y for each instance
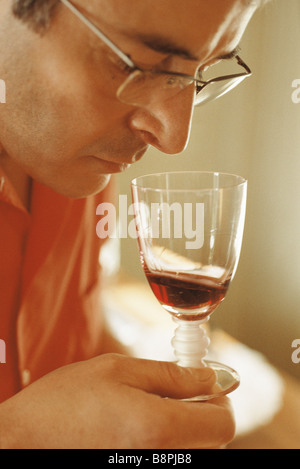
(167, 379)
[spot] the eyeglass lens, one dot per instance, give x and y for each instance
(146, 88)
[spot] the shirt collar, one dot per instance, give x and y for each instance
(8, 193)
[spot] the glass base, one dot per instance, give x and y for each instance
(228, 381)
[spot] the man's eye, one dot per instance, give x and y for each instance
(124, 67)
(205, 70)
(119, 64)
(199, 74)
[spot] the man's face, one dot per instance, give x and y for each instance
(62, 123)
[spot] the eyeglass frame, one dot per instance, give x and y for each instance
(199, 84)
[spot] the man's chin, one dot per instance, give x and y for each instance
(86, 190)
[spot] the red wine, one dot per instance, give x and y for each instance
(187, 296)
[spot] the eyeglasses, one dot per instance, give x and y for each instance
(146, 87)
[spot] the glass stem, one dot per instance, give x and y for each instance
(190, 343)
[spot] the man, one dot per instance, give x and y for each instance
(81, 105)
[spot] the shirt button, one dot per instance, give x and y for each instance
(26, 376)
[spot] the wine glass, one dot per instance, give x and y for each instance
(189, 229)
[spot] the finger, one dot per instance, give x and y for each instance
(170, 423)
(206, 425)
(165, 379)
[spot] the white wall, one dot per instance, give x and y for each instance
(255, 132)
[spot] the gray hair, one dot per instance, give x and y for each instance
(38, 13)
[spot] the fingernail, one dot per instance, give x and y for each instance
(205, 374)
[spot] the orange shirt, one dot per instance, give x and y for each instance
(49, 284)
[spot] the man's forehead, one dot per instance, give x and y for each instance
(163, 11)
(174, 26)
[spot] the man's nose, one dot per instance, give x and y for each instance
(166, 125)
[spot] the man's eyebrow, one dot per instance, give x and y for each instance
(165, 46)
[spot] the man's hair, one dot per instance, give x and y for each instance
(36, 13)
(258, 3)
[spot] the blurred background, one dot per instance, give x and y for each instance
(254, 131)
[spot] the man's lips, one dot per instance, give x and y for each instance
(116, 166)
(109, 167)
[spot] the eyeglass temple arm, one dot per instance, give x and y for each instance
(236, 75)
(242, 64)
(99, 34)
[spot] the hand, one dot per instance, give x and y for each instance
(114, 401)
